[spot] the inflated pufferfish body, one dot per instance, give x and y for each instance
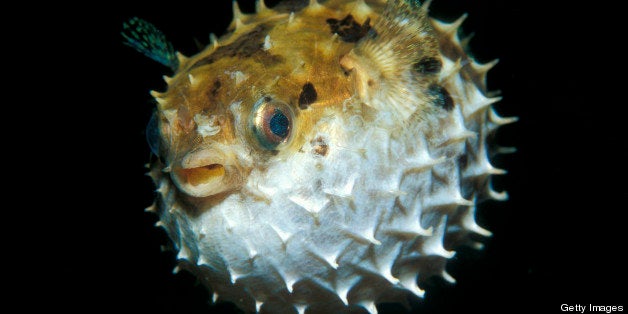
(324, 156)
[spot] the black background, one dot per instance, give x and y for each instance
(559, 239)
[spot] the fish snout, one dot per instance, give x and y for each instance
(205, 172)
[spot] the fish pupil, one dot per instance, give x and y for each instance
(279, 124)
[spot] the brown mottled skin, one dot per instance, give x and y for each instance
(319, 63)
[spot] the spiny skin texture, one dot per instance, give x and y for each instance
(325, 156)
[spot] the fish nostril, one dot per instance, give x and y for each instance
(202, 175)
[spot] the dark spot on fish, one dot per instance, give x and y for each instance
(348, 29)
(428, 65)
(462, 162)
(320, 147)
(308, 96)
(216, 87)
(370, 83)
(246, 46)
(287, 6)
(441, 97)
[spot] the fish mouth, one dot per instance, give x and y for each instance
(202, 173)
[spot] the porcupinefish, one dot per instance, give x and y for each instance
(321, 156)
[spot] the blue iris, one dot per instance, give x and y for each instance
(279, 124)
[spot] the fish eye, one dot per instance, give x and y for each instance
(271, 123)
(152, 134)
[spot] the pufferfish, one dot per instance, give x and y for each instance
(322, 156)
